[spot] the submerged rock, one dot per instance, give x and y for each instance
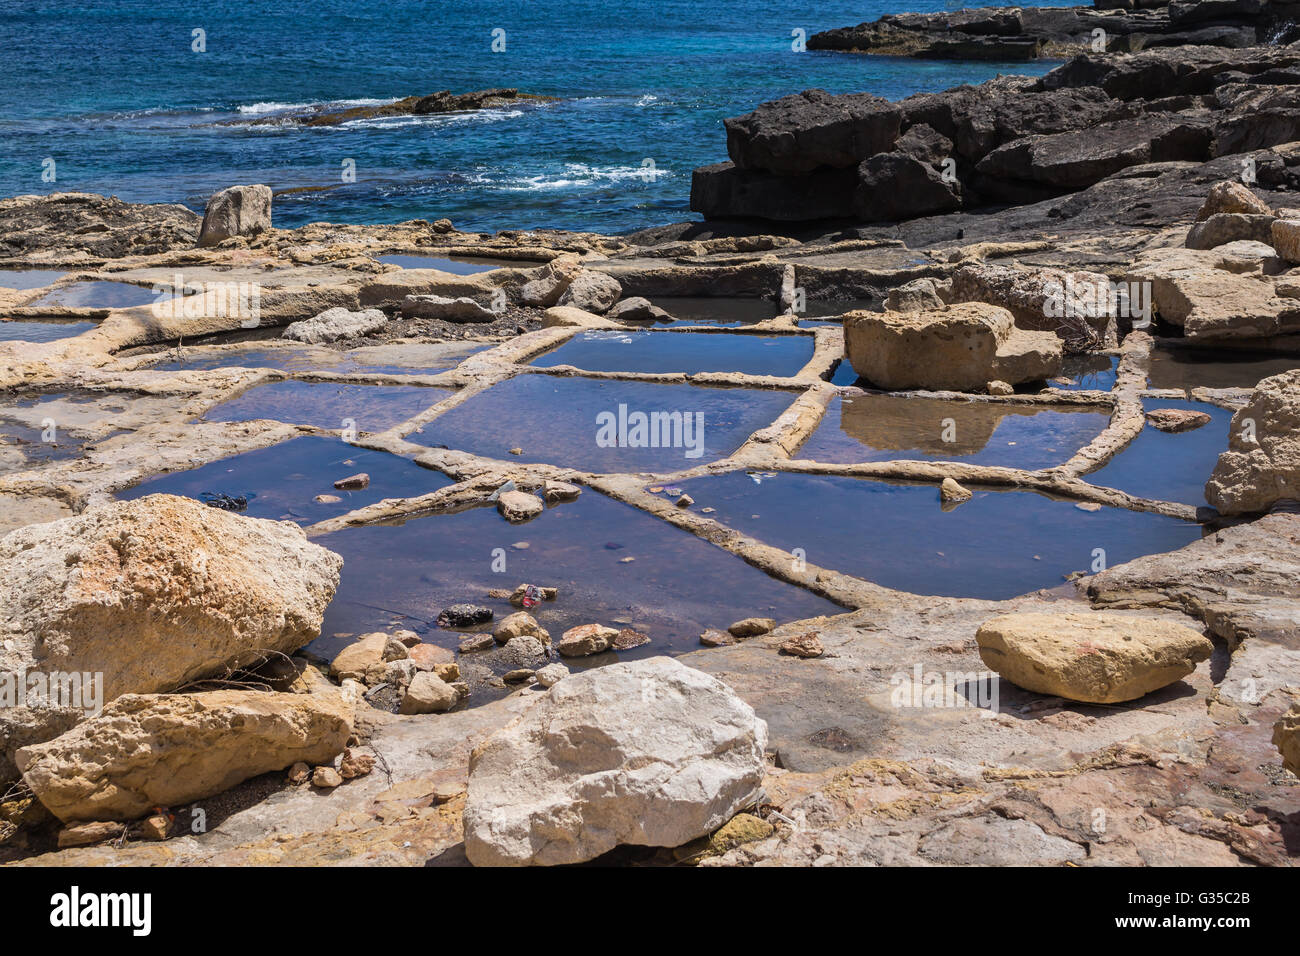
(960, 347)
(147, 751)
(151, 594)
(1101, 658)
(1176, 419)
(464, 615)
(950, 490)
(519, 506)
(237, 211)
(334, 324)
(1262, 464)
(650, 753)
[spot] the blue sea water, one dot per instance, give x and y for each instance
(116, 95)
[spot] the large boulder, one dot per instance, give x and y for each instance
(1230, 196)
(1099, 657)
(963, 347)
(592, 291)
(1225, 227)
(1043, 300)
(1213, 295)
(1262, 464)
(895, 186)
(334, 324)
(804, 131)
(550, 282)
(651, 753)
(237, 211)
(723, 191)
(146, 751)
(149, 595)
(460, 309)
(1068, 161)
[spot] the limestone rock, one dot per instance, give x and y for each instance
(1285, 238)
(637, 309)
(1286, 738)
(808, 645)
(557, 491)
(429, 657)
(148, 750)
(326, 778)
(1043, 300)
(551, 282)
(1176, 419)
(429, 694)
(151, 594)
(751, 627)
(237, 211)
(1252, 475)
(552, 674)
(960, 347)
(1102, 658)
(519, 506)
(950, 490)
(459, 309)
(1225, 227)
(1212, 295)
(914, 296)
(364, 655)
(648, 753)
(804, 131)
(585, 640)
(519, 624)
(334, 324)
(592, 291)
(1231, 196)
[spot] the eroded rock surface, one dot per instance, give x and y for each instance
(650, 753)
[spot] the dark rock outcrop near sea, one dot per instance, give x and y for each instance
(1010, 141)
(443, 101)
(1028, 33)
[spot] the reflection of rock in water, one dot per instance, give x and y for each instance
(888, 423)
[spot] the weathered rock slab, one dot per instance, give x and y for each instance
(650, 753)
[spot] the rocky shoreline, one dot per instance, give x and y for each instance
(1029, 33)
(1143, 712)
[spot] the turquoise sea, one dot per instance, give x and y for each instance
(125, 97)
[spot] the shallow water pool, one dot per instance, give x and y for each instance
(674, 587)
(997, 545)
(591, 424)
(97, 294)
(282, 481)
(687, 352)
(21, 330)
(861, 428)
(1169, 467)
(367, 408)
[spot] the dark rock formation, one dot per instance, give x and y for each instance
(101, 226)
(1011, 140)
(1028, 33)
(444, 101)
